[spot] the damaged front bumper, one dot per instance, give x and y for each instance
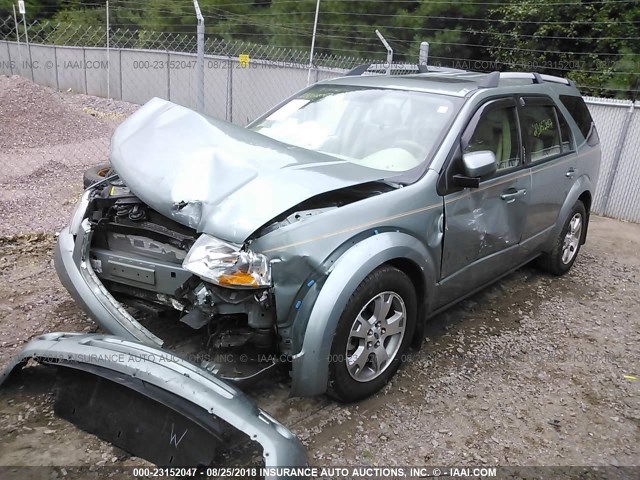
(171, 381)
(71, 259)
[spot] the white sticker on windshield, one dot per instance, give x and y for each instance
(443, 109)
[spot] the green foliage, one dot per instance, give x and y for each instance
(595, 43)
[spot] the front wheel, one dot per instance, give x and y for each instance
(373, 334)
(565, 251)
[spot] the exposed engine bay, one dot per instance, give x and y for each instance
(138, 253)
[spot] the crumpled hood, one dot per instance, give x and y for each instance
(216, 177)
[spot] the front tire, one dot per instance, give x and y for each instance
(565, 251)
(373, 334)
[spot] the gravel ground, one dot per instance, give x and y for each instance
(47, 138)
(535, 370)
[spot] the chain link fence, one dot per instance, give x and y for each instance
(242, 80)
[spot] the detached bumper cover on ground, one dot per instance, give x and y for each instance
(211, 398)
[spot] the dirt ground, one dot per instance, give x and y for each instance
(535, 370)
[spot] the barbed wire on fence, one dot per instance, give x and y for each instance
(583, 68)
(73, 35)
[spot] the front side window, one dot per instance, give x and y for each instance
(385, 129)
(497, 131)
(541, 132)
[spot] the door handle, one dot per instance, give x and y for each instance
(570, 172)
(510, 195)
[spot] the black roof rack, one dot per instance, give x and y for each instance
(490, 80)
(380, 67)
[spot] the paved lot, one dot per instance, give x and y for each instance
(535, 370)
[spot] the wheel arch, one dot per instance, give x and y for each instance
(310, 367)
(586, 199)
(580, 190)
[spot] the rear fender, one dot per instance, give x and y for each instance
(581, 185)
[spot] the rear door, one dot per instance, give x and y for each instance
(550, 153)
(484, 226)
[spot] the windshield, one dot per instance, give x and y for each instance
(392, 130)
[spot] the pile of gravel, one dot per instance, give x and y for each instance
(47, 139)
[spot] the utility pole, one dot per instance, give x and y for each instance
(313, 42)
(199, 59)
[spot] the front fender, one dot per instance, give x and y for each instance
(581, 185)
(310, 367)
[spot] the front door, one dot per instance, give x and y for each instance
(484, 226)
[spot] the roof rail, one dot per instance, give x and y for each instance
(377, 67)
(537, 77)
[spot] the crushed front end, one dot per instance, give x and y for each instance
(124, 263)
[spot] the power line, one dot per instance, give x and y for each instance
(491, 20)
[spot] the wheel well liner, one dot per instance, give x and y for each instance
(585, 198)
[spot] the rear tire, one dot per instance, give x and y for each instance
(95, 174)
(373, 334)
(565, 251)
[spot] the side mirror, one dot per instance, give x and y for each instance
(476, 165)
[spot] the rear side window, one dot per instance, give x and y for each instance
(580, 113)
(541, 132)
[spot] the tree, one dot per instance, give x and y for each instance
(596, 48)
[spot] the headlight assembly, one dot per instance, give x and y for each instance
(226, 265)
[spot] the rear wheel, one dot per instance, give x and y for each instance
(373, 333)
(565, 251)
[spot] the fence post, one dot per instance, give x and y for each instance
(120, 71)
(108, 57)
(229, 110)
(26, 37)
(55, 64)
(84, 69)
(616, 157)
(200, 59)
(15, 19)
(313, 42)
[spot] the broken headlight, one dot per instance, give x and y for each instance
(226, 265)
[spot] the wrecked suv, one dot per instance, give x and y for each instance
(326, 233)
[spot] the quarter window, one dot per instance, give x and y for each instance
(582, 117)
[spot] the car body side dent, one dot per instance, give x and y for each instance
(310, 369)
(174, 375)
